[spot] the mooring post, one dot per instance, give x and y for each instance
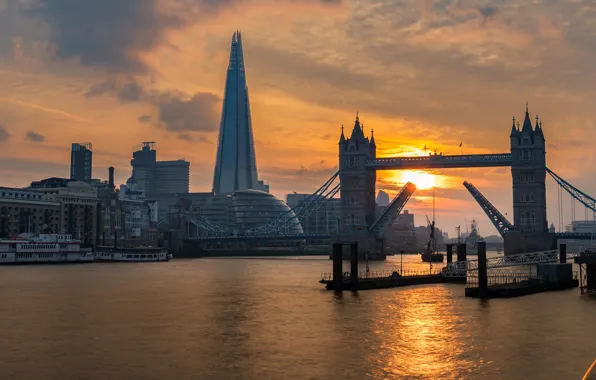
(562, 253)
(482, 270)
(449, 253)
(461, 252)
(338, 276)
(354, 267)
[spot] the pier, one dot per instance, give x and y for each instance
(587, 271)
(510, 276)
(387, 279)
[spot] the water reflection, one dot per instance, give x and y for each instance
(270, 319)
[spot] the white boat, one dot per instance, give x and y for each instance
(43, 249)
(131, 254)
(473, 239)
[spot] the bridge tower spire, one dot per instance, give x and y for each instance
(357, 202)
(528, 171)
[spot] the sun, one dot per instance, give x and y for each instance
(422, 180)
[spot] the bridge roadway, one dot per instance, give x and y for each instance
(439, 161)
(262, 237)
(566, 235)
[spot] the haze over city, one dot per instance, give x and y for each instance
(422, 74)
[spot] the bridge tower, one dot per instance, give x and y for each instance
(528, 171)
(357, 204)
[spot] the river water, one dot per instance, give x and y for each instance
(270, 319)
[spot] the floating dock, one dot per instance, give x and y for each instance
(548, 277)
(521, 288)
(391, 280)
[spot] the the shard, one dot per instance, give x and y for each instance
(236, 165)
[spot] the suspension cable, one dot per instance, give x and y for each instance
(559, 208)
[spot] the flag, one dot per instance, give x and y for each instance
(460, 144)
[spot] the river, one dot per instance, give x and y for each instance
(254, 319)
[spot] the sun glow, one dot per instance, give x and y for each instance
(421, 179)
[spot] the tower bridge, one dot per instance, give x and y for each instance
(528, 232)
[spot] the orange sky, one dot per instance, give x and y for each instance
(419, 72)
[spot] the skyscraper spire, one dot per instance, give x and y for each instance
(235, 166)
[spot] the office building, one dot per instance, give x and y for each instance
(144, 168)
(172, 177)
(27, 211)
(81, 162)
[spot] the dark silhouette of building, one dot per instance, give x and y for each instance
(81, 162)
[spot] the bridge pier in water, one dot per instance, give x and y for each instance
(482, 270)
(461, 252)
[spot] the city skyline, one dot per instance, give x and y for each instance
(307, 79)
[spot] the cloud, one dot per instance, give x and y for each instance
(4, 135)
(109, 33)
(488, 12)
(132, 92)
(36, 167)
(189, 137)
(145, 119)
(115, 34)
(199, 113)
(35, 137)
(178, 112)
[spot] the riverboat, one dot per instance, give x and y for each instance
(131, 254)
(43, 249)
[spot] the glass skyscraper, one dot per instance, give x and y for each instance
(236, 165)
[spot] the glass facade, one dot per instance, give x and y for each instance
(254, 208)
(235, 166)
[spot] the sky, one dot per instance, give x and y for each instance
(419, 72)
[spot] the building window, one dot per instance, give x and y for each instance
(526, 155)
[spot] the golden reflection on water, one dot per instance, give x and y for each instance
(420, 336)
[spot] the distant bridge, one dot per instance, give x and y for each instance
(263, 237)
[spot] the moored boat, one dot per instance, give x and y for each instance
(43, 249)
(429, 257)
(131, 254)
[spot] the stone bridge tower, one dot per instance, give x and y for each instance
(357, 202)
(528, 171)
